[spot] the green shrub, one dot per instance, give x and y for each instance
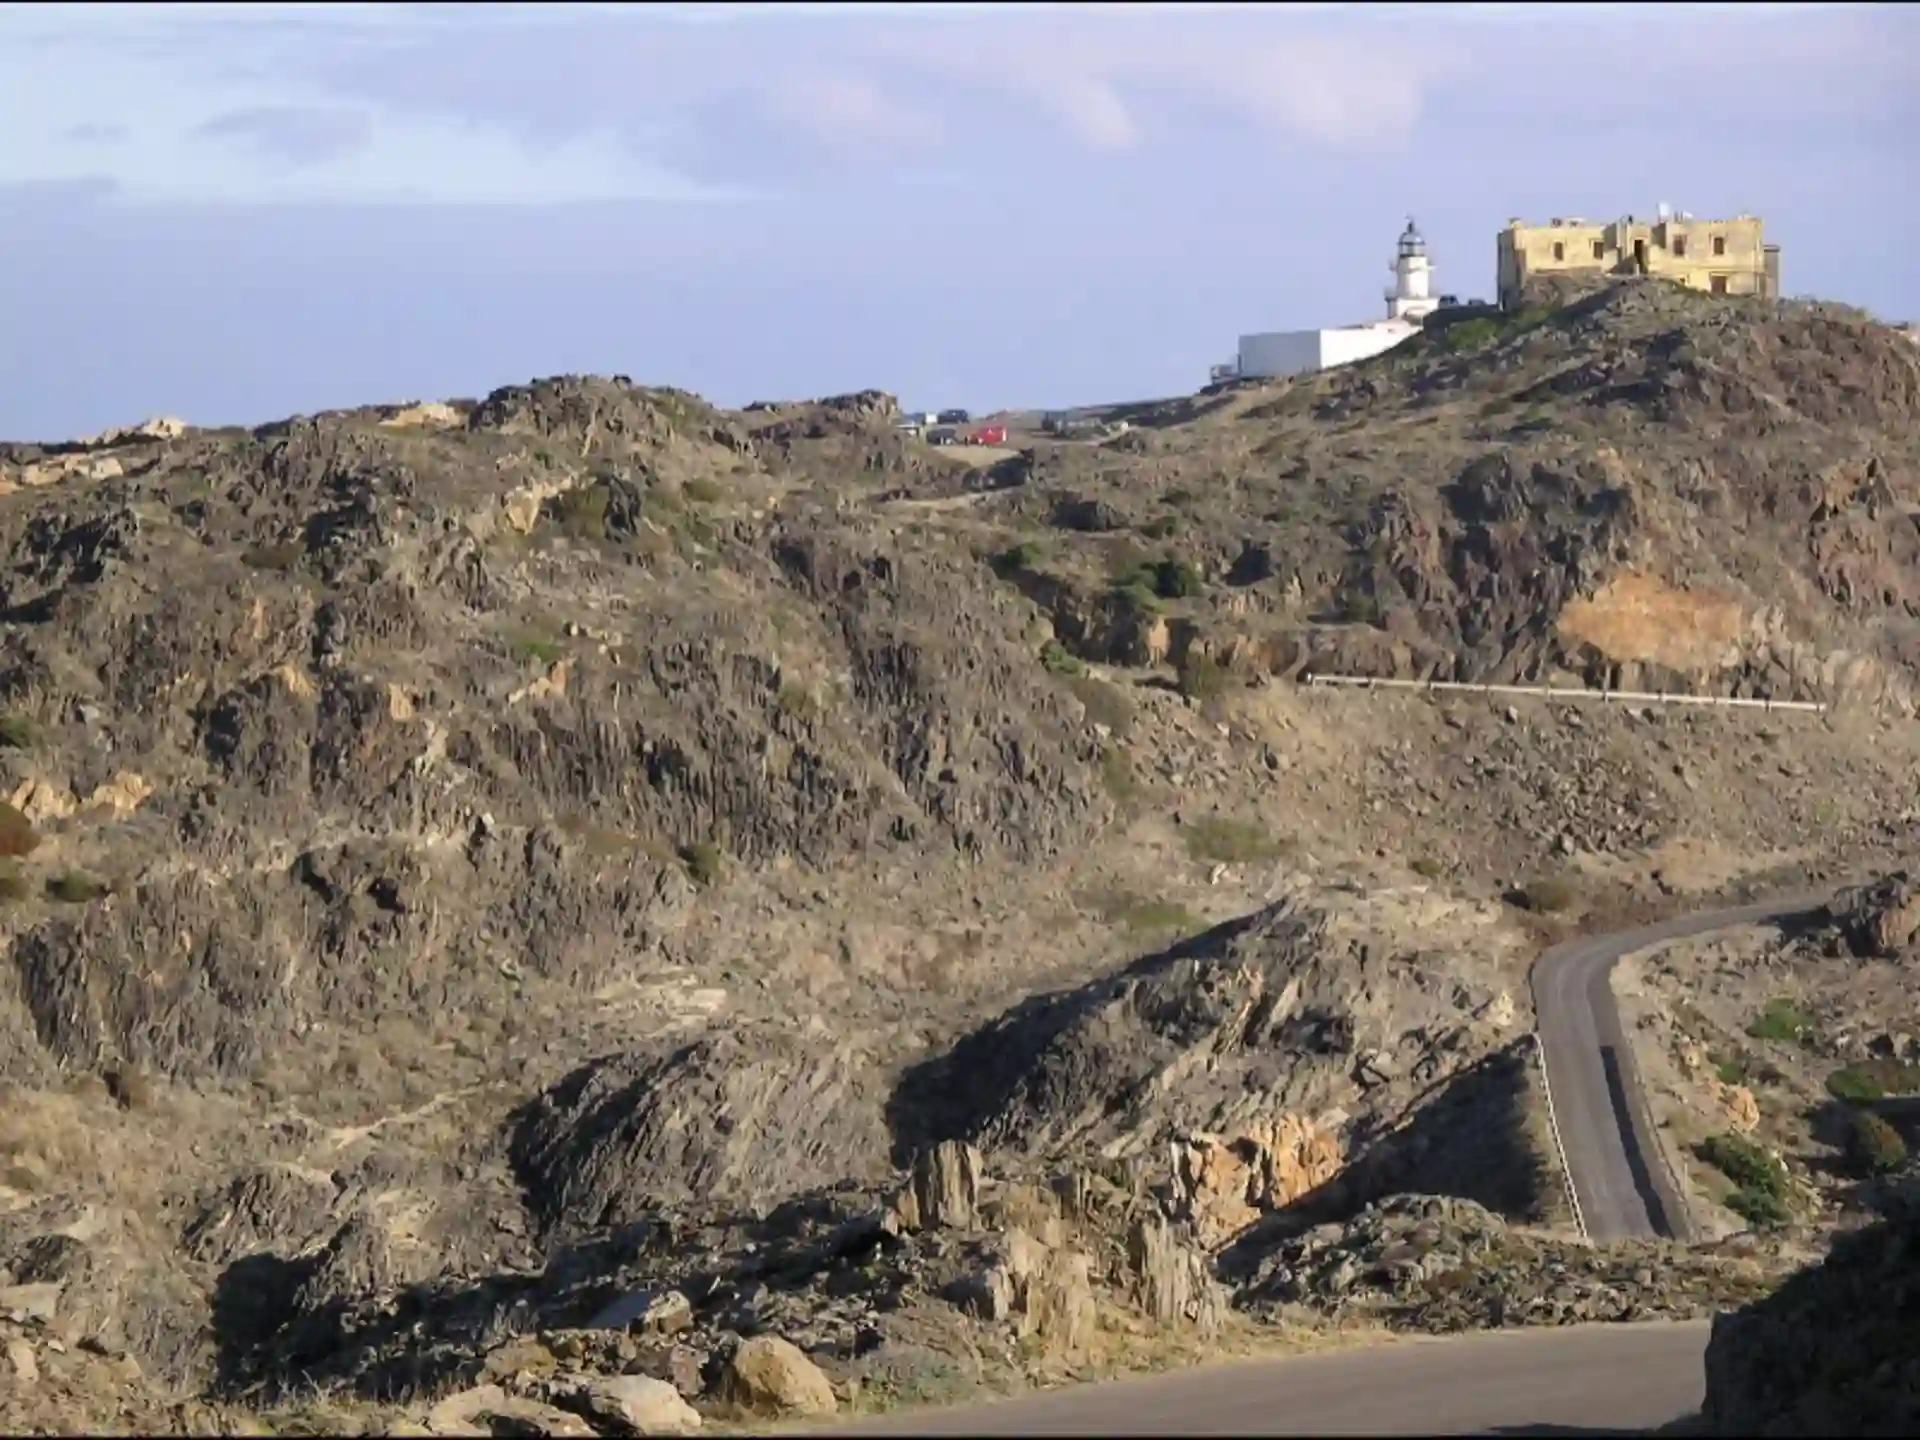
(1427, 868)
(17, 835)
(13, 885)
(282, 556)
(1873, 1147)
(529, 645)
(1056, 659)
(1549, 895)
(1745, 1163)
(1782, 1020)
(705, 863)
(1116, 773)
(582, 513)
(702, 492)
(1176, 579)
(1760, 1209)
(1231, 841)
(1153, 917)
(1731, 1072)
(74, 888)
(1201, 677)
(17, 732)
(1137, 595)
(1874, 1080)
(1470, 334)
(1760, 1185)
(1018, 557)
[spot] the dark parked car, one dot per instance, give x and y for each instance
(945, 435)
(954, 417)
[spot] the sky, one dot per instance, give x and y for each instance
(238, 212)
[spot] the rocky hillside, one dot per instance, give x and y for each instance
(466, 863)
(1831, 1352)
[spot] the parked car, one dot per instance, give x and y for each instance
(945, 435)
(988, 435)
(954, 417)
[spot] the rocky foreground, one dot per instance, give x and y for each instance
(1833, 1351)
(508, 905)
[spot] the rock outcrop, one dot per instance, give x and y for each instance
(1832, 1351)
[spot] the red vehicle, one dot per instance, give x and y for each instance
(988, 435)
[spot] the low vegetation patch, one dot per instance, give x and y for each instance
(1145, 917)
(1874, 1080)
(1783, 1021)
(1116, 773)
(1201, 677)
(1760, 1184)
(1056, 659)
(281, 556)
(17, 732)
(1226, 842)
(13, 885)
(703, 492)
(1549, 895)
(705, 863)
(530, 645)
(74, 888)
(1018, 558)
(582, 513)
(1873, 1147)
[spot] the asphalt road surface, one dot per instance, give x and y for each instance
(1585, 1379)
(1606, 1130)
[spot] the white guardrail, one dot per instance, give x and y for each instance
(1559, 1146)
(1624, 697)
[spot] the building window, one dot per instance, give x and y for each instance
(1559, 251)
(1599, 249)
(1679, 245)
(1719, 244)
(1718, 284)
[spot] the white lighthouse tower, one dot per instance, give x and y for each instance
(1412, 297)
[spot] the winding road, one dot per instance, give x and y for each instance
(1622, 1187)
(1572, 1380)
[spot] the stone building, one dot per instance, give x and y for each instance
(1724, 257)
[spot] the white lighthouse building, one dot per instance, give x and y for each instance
(1295, 352)
(1411, 297)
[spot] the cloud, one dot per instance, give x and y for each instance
(87, 133)
(163, 80)
(516, 103)
(846, 109)
(298, 134)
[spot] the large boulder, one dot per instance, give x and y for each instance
(1882, 918)
(773, 1377)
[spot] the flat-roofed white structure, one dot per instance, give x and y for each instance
(1411, 299)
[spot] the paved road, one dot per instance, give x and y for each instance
(1580, 1379)
(1624, 1189)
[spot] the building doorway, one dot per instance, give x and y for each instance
(1640, 257)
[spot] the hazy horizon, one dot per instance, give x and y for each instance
(234, 213)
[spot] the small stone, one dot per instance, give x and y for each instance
(24, 1363)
